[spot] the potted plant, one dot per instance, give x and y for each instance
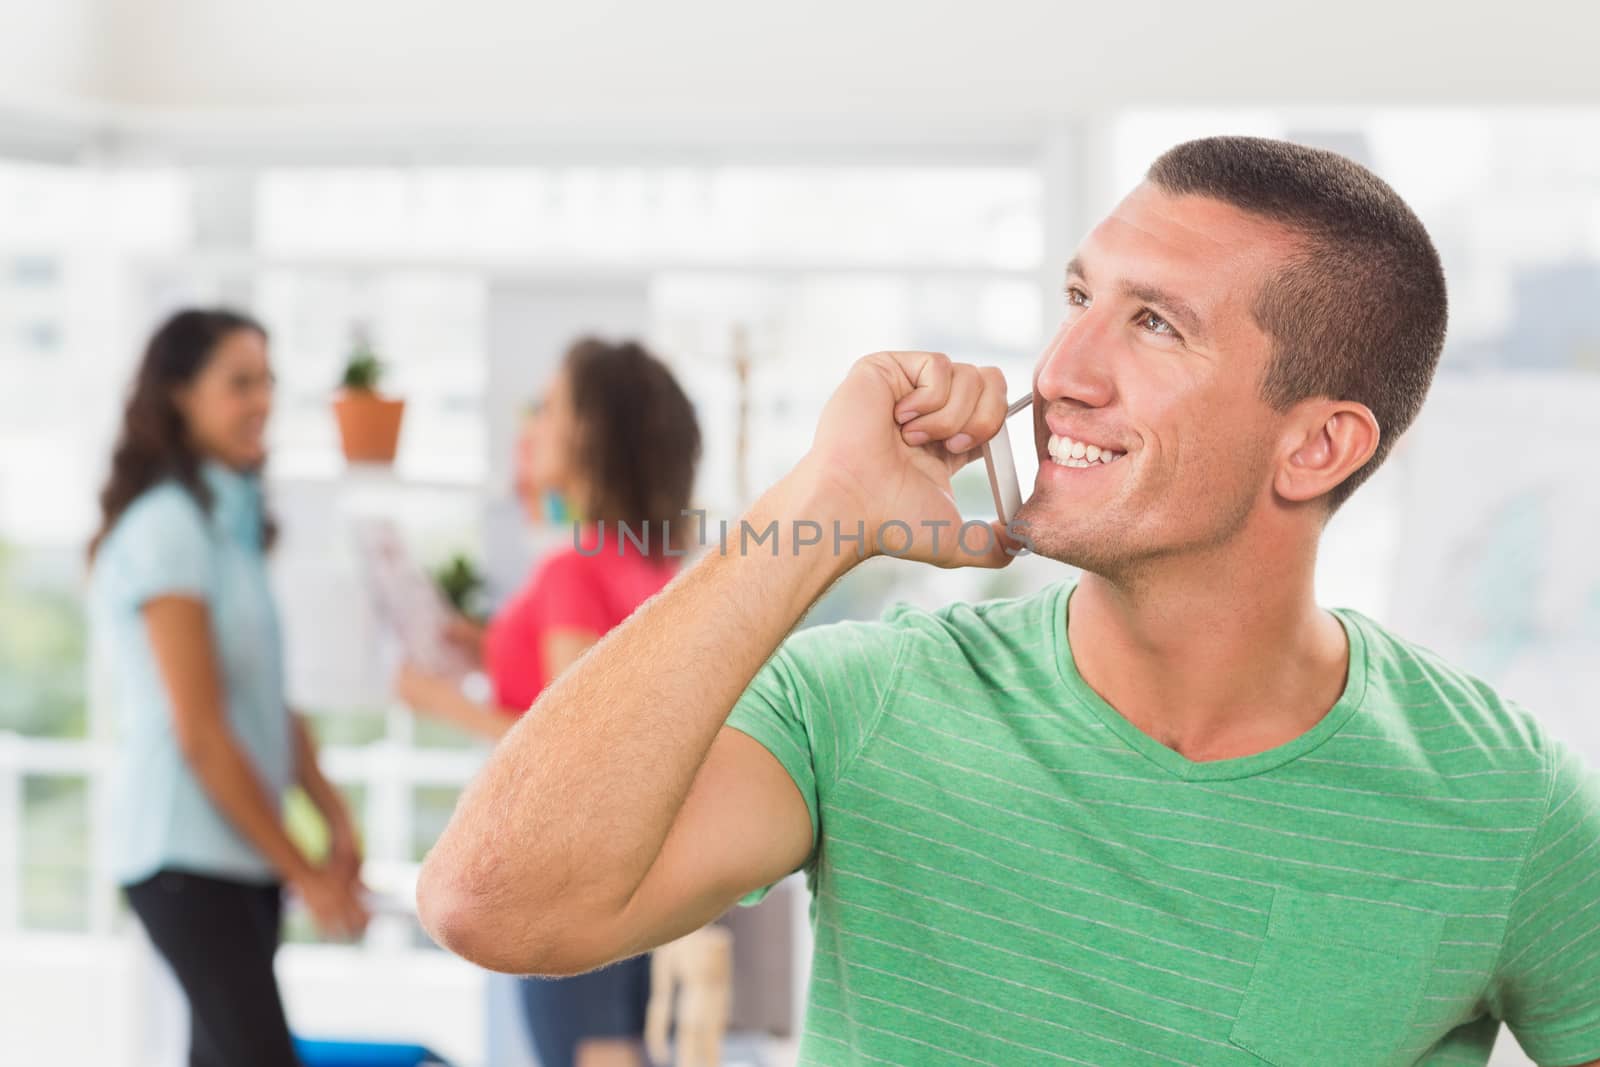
(461, 584)
(369, 422)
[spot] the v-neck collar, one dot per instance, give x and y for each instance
(1180, 766)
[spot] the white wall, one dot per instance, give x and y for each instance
(629, 68)
(730, 75)
(49, 52)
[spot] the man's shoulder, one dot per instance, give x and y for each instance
(980, 636)
(1001, 614)
(1415, 693)
(993, 625)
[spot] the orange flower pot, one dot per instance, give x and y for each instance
(369, 425)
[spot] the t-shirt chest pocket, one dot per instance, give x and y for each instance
(1337, 982)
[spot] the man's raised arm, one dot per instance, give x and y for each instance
(619, 813)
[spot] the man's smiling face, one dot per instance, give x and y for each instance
(1157, 365)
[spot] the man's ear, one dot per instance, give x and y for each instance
(1327, 442)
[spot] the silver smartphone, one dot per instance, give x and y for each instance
(1001, 462)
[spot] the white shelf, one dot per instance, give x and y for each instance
(338, 474)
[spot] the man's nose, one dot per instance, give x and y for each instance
(1075, 364)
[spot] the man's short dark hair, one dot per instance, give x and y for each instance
(1359, 312)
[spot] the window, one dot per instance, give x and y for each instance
(966, 216)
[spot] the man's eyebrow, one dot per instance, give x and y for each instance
(1180, 309)
(1182, 312)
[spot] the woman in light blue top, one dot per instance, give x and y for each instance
(183, 613)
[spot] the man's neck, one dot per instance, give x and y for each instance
(1216, 659)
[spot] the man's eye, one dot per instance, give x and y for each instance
(1077, 297)
(1155, 323)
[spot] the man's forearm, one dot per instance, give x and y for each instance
(576, 801)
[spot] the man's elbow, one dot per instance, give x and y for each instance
(498, 932)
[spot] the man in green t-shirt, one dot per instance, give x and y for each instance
(1171, 812)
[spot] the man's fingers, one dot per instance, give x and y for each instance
(929, 373)
(962, 396)
(975, 547)
(988, 412)
(1004, 549)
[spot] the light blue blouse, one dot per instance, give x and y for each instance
(165, 544)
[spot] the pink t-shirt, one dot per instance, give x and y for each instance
(567, 590)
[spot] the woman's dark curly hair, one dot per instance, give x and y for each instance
(637, 440)
(153, 443)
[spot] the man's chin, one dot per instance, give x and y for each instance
(1066, 541)
(1055, 538)
(1075, 556)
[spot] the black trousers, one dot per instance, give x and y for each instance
(219, 937)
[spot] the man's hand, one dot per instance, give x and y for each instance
(888, 441)
(621, 812)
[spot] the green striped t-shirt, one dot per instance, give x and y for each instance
(1007, 871)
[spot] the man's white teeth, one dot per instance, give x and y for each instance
(1070, 453)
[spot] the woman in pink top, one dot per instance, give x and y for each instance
(616, 439)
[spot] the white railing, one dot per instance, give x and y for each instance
(388, 770)
(20, 758)
(387, 986)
